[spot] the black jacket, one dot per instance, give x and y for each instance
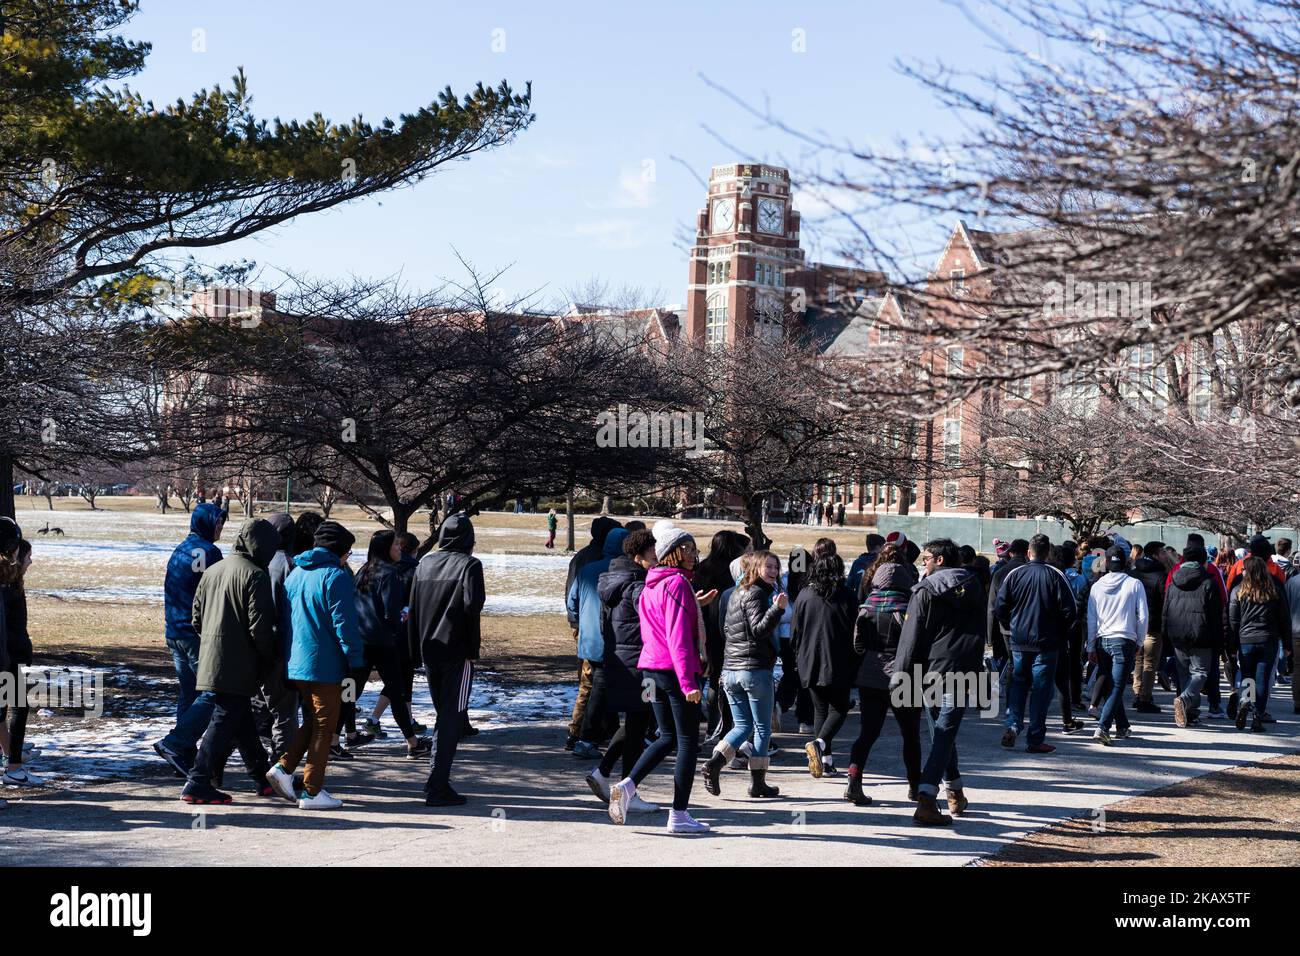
(1192, 611)
(13, 624)
(1036, 606)
(593, 550)
(379, 607)
(1152, 574)
(993, 625)
(447, 596)
(1251, 623)
(822, 631)
(748, 632)
(619, 588)
(944, 628)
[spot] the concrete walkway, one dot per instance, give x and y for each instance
(529, 805)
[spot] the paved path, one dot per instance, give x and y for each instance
(529, 805)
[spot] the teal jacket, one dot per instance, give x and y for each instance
(323, 618)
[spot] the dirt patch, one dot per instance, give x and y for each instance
(1246, 816)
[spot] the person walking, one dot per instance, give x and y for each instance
(1037, 606)
(625, 693)
(1192, 619)
(1258, 621)
(789, 692)
(1149, 570)
(191, 558)
(443, 629)
(16, 654)
(593, 550)
(552, 524)
(861, 563)
(407, 562)
(584, 603)
(944, 633)
(234, 616)
(275, 706)
(381, 599)
(714, 573)
(879, 628)
(822, 629)
(672, 635)
(1016, 554)
(749, 656)
(1117, 624)
(326, 648)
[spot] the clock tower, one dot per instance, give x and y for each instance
(746, 250)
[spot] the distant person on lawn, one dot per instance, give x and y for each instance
(234, 616)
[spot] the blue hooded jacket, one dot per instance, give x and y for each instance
(323, 618)
(188, 562)
(584, 601)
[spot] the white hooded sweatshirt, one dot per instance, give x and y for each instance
(1117, 607)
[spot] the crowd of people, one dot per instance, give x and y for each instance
(274, 642)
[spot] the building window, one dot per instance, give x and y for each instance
(950, 494)
(958, 279)
(956, 359)
(952, 442)
(715, 326)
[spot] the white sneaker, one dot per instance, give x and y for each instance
(637, 805)
(619, 801)
(322, 801)
(21, 778)
(281, 781)
(680, 821)
(599, 784)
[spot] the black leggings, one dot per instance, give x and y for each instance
(679, 729)
(788, 692)
(627, 742)
(348, 712)
(386, 660)
(830, 708)
(875, 704)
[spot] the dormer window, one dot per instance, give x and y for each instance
(957, 277)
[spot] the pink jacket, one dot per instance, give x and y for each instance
(669, 626)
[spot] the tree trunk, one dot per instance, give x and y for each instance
(568, 511)
(754, 523)
(49, 496)
(604, 505)
(90, 496)
(401, 517)
(7, 485)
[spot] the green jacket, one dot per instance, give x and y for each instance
(234, 614)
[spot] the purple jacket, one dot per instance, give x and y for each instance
(670, 626)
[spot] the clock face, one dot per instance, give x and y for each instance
(724, 215)
(771, 214)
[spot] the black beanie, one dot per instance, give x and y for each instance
(10, 534)
(1260, 547)
(334, 537)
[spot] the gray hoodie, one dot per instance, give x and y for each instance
(1117, 607)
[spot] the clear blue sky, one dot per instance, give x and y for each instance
(616, 86)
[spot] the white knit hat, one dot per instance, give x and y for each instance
(668, 536)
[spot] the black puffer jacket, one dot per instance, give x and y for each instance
(748, 632)
(1252, 623)
(620, 627)
(1152, 574)
(1193, 610)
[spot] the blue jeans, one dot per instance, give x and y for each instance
(1036, 668)
(185, 657)
(1121, 654)
(184, 737)
(1255, 662)
(942, 761)
(750, 695)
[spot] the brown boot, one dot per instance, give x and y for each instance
(928, 813)
(957, 802)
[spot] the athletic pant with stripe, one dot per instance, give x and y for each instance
(450, 677)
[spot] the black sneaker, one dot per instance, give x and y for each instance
(1147, 707)
(445, 798)
(339, 752)
(418, 728)
(180, 766)
(1243, 715)
(469, 730)
(1234, 700)
(570, 742)
(422, 747)
(1071, 726)
(359, 738)
(1267, 718)
(206, 795)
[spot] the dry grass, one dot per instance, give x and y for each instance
(1246, 816)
